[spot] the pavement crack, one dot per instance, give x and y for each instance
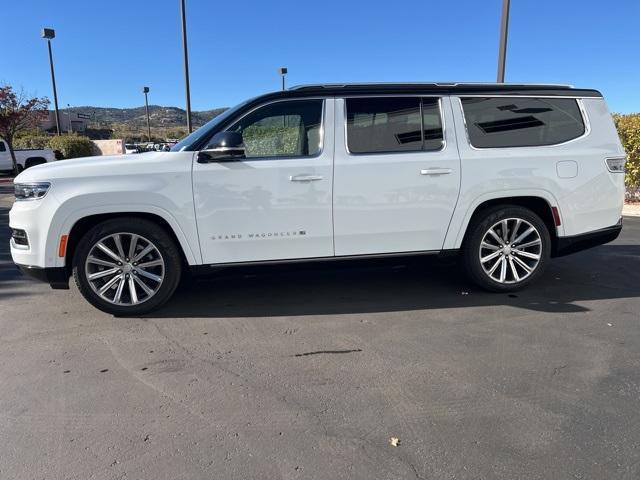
(415, 471)
(327, 352)
(556, 370)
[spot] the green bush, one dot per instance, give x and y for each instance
(72, 146)
(629, 131)
(32, 141)
(271, 140)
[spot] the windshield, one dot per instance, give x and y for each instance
(204, 130)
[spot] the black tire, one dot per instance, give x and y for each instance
(476, 232)
(32, 162)
(20, 168)
(149, 231)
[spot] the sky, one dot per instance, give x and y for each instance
(105, 51)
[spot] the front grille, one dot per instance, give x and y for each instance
(20, 237)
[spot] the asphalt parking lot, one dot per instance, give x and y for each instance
(306, 374)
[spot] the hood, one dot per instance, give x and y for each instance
(91, 166)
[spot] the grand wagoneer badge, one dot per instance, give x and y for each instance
(259, 236)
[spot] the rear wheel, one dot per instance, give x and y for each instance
(32, 162)
(127, 266)
(506, 248)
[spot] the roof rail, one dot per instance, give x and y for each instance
(428, 84)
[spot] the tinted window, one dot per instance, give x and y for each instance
(520, 122)
(2, 147)
(282, 129)
(393, 124)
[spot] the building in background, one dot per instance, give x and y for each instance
(69, 122)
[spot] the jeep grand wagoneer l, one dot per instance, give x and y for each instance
(506, 175)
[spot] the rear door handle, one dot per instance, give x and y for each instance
(305, 178)
(436, 171)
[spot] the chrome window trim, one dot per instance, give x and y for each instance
(583, 113)
(506, 95)
(401, 152)
(282, 157)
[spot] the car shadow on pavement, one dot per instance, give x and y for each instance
(8, 271)
(606, 272)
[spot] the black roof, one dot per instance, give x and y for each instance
(439, 89)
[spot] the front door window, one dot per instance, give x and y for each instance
(282, 129)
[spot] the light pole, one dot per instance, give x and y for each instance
(49, 33)
(282, 71)
(504, 32)
(186, 63)
(145, 90)
(70, 128)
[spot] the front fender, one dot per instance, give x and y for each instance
(179, 217)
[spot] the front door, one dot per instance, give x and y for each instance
(276, 202)
(397, 174)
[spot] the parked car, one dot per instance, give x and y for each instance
(507, 176)
(25, 157)
(131, 148)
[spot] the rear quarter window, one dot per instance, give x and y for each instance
(500, 122)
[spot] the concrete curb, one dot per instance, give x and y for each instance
(631, 210)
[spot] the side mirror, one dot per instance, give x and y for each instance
(223, 147)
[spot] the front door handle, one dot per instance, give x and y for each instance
(436, 171)
(305, 178)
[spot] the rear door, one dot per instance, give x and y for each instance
(397, 174)
(275, 203)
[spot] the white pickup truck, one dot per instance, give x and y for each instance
(25, 158)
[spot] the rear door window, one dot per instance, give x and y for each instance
(521, 122)
(393, 124)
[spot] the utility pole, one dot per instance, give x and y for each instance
(504, 33)
(186, 63)
(50, 33)
(145, 90)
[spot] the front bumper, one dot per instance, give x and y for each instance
(36, 219)
(576, 243)
(57, 277)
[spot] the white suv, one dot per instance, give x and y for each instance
(507, 175)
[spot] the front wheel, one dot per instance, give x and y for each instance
(506, 248)
(127, 266)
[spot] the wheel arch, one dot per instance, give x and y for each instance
(80, 226)
(541, 205)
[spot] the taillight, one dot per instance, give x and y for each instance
(616, 165)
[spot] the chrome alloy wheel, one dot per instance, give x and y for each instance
(125, 269)
(510, 250)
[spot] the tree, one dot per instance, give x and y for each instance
(18, 112)
(629, 131)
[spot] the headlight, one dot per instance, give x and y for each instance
(31, 191)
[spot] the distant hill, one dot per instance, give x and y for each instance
(159, 116)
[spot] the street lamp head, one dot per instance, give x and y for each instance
(282, 70)
(48, 33)
(145, 89)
